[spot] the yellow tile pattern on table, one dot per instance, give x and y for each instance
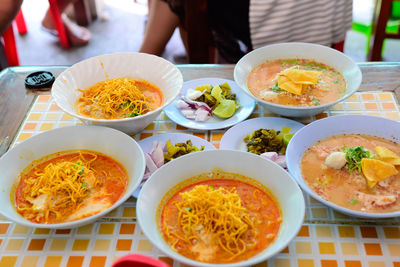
(106, 229)
(349, 248)
(15, 244)
(53, 261)
(323, 231)
(85, 230)
(80, 244)
(303, 248)
(30, 261)
(320, 242)
(20, 229)
(102, 244)
(58, 244)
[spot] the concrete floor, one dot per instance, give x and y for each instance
(121, 26)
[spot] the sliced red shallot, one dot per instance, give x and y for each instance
(194, 110)
(201, 115)
(275, 157)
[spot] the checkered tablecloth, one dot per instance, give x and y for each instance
(327, 238)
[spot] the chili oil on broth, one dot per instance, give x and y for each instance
(92, 183)
(330, 87)
(258, 203)
(350, 190)
(119, 98)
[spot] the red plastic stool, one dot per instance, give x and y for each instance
(10, 47)
(339, 46)
(58, 23)
(21, 25)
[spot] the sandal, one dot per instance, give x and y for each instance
(77, 35)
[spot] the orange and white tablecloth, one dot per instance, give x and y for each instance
(327, 238)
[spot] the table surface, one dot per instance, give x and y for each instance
(327, 238)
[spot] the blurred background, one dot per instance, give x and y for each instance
(120, 26)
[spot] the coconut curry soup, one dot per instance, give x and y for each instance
(358, 172)
(296, 82)
(224, 219)
(68, 186)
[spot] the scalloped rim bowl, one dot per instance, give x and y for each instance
(337, 125)
(331, 57)
(276, 179)
(110, 142)
(153, 69)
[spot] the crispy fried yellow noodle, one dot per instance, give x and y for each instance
(113, 99)
(59, 187)
(214, 214)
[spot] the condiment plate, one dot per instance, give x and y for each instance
(233, 138)
(147, 144)
(247, 105)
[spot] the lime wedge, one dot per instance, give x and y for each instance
(216, 92)
(286, 138)
(226, 109)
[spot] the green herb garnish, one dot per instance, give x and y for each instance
(353, 201)
(315, 101)
(188, 209)
(134, 114)
(275, 88)
(211, 187)
(124, 105)
(336, 81)
(354, 155)
(84, 185)
(76, 165)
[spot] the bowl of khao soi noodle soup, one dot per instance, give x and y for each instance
(297, 79)
(355, 171)
(119, 90)
(68, 186)
(221, 219)
(118, 98)
(202, 209)
(296, 82)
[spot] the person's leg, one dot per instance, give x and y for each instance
(159, 29)
(8, 10)
(77, 35)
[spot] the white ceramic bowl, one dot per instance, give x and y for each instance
(281, 184)
(331, 57)
(336, 125)
(108, 141)
(153, 69)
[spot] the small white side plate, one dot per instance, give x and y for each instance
(247, 105)
(147, 144)
(233, 138)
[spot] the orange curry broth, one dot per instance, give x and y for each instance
(152, 92)
(109, 190)
(343, 188)
(330, 87)
(255, 200)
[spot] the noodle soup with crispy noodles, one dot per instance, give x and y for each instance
(68, 186)
(224, 219)
(118, 98)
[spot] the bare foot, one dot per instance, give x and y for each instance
(77, 35)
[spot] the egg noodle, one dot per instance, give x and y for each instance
(113, 99)
(213, 217)
(58, 189)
